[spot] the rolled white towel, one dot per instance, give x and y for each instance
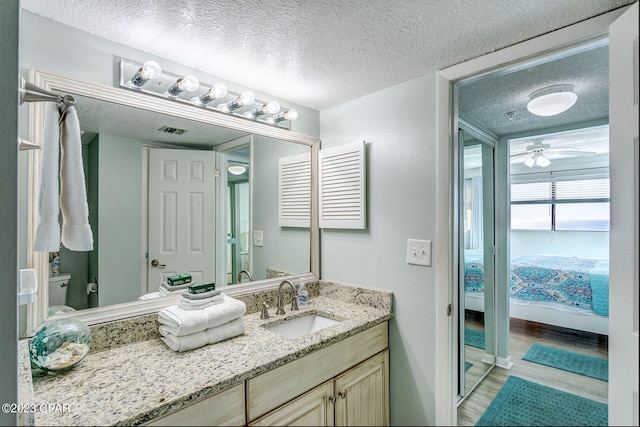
(199, 304)
(184, 322)
(209, 336)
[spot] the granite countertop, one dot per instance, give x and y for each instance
(142, 380)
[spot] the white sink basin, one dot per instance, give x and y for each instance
(301, 326)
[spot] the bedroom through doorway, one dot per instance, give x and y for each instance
(552, 221)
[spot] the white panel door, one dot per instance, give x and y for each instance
(181, 215)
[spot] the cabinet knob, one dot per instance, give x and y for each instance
(332, 399)
(342, 394)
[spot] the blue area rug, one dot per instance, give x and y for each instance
(589, 366)
(467, 365)
(524, 403)
(474, 338)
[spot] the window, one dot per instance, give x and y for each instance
(578, 205)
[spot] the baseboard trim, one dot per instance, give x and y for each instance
(503, 363)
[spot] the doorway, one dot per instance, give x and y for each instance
(496, 103)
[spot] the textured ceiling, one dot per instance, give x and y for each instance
(319, 53)
(488, 100)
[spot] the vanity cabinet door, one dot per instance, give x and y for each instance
(223, 409)
(362, 393)
(311, 409)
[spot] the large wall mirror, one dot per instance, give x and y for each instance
(477, 346)
(231, 236)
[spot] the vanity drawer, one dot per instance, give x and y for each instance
(223, 409)
(272, 389)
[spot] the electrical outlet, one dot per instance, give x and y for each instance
(257, 238)
(419, 252)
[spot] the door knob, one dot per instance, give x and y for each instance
(156, 263)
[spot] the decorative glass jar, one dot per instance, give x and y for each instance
(59, 344)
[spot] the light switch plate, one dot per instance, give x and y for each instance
(419, 252)
(257, 238)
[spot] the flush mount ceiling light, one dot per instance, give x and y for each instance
(236, 169)
(552, 100)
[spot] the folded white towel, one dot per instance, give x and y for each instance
(149, 296)
(76, 232)
(165, 289)
(209, 336)
(184, 322)
(198, 304)
(48, 232)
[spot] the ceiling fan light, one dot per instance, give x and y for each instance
(529, 162)
(542, 162)
(552, 100)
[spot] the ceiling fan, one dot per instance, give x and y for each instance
(536, 154)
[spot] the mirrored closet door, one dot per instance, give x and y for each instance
(476, 259)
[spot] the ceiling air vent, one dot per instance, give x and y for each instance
(172, 131)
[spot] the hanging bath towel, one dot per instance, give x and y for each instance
(48, 232)
(76, 232)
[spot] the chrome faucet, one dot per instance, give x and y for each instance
(245, 272)
(294, 300)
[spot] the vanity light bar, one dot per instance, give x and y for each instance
(149, 78)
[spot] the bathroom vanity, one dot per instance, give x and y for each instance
(333, 376)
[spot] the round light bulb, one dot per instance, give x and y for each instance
(189, 83)
(291, 114)
(271, 108)
(151, 70)
(247, 98)
(218, 91)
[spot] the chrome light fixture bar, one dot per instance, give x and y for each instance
(150, 79)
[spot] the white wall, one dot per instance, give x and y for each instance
(399, 127)
(570, 243)
(284, 248)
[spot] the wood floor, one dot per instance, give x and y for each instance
(523, 335)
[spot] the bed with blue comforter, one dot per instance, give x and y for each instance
(571, 281)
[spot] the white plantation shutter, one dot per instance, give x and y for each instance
(294, 190)
(341, 185)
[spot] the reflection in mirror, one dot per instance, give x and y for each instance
(238, 201)
(159, 204)
(476, 293)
